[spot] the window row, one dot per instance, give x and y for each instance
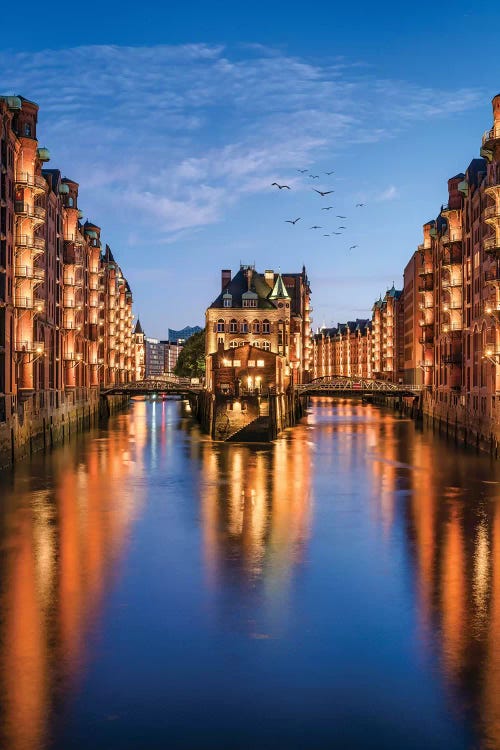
(258, 344)
(244, 326)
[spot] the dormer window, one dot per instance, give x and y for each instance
(227, 299)
(249, 299)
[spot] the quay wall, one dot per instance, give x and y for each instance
(49, 418)
(250, 417)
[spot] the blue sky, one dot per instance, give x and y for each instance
(176, 120)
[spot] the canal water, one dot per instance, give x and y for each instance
(337, 589)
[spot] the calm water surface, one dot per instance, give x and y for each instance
(338, 589)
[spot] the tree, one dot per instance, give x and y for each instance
(191, 361)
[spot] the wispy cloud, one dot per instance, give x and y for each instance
(169, 140)
(389, 194)
(177, 134)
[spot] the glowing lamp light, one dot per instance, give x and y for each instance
(489, 352)
(489, 310)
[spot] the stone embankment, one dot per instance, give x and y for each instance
(50, 418)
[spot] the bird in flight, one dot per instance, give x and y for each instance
(341, 227)
(315, 227)
(353, 247)
(341, 217)
(337, 232)
(323, 192)
(359, 205)
(294, 221)
(280, 186)
(314, 176)
(326, 235)
(302, 171)
(326, 208)
(329, 173)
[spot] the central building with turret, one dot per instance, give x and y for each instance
(258, 331)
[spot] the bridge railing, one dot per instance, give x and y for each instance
(353, 384)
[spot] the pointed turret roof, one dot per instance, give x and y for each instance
(279, 289)
(138, 327)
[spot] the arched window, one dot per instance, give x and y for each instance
(233, 326)
(266, 326)
(244, 326)
(256, 326)
(220, 326)
(70, 202)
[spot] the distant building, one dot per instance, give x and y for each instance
(155, 358)
(183, 335)
(139, 352)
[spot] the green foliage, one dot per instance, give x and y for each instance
(191, 362)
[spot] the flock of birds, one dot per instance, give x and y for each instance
(323, 194)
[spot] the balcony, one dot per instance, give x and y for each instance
(426, 284)
(492, 245)
(490, 212)
(69, 303)
(29, 242)
(30, 347)
(448, 328)
(447, 306)
(452, 257)
(27, 272)
(72, 357)
(24, 179)
(452, 283)
(69, 280)
(492, 309)
(490, 137)
(72, 255)
(492, 276)
(32, 212)
(426, 271)
(24, 303)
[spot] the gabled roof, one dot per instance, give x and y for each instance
(279, 290)
(138, 327)
(239, 285)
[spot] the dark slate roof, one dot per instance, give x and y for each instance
(239, 285)
(475, 168)
(108, 255)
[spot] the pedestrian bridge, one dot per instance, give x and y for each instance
(340, 385)
(171, 384)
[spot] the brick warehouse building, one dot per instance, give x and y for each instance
(448, 337)
(270, 312)
(65, 306)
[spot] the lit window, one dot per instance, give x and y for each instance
(260, 363)
(226, 362)
(236, 363)
(251, 363)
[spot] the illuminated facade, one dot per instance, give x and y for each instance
(364, 348)
(269, 311)
(65, 308)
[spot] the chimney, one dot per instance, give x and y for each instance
(269, 277)
(225, 277)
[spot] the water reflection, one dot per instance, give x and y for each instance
(256, 509)
(362, 554)
(59, 548)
